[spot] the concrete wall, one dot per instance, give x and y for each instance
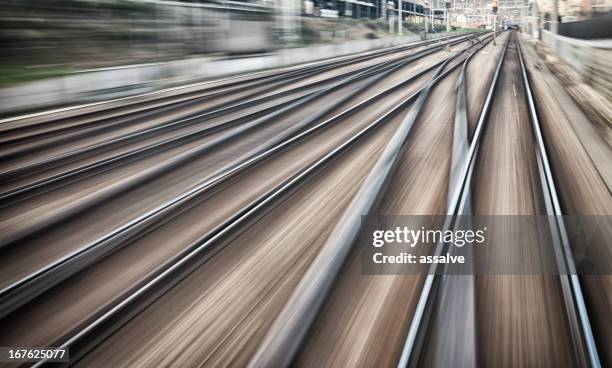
(591, 59)
(129, 80)
(597, 27)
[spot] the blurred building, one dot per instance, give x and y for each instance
(89, 34)
(577, 9)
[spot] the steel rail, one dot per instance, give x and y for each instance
(288, 330)
(570, 282)
(460, 193)
(213, 240)
(149, 109)
(462, 334)
(231, 81)
(59, 214)
(211, 112)
(147, 150)
(84, 129)
(88, 151)
(165, 127)
(193, 96)
(187, 99)
(157, 107)
(573, 298)
(22, 291)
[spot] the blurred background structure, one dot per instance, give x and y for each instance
(57, 38)
(183, 183)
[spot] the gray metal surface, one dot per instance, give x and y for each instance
(572, 291)
(287, 332)
(460, 194)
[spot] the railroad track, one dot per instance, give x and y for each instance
(221, 172)
(23, 129)
(284, 337)
(171, 139)
(463, 203)
(50, 274)
(232, 241)
(158, 136)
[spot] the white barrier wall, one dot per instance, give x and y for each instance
(591, 59)
(122, 81)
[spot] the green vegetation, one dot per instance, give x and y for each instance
(14, 74)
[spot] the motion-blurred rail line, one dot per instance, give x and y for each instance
(222, 174)
(16, 131)
(215, 224)
(570, 298)
(171, 141)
